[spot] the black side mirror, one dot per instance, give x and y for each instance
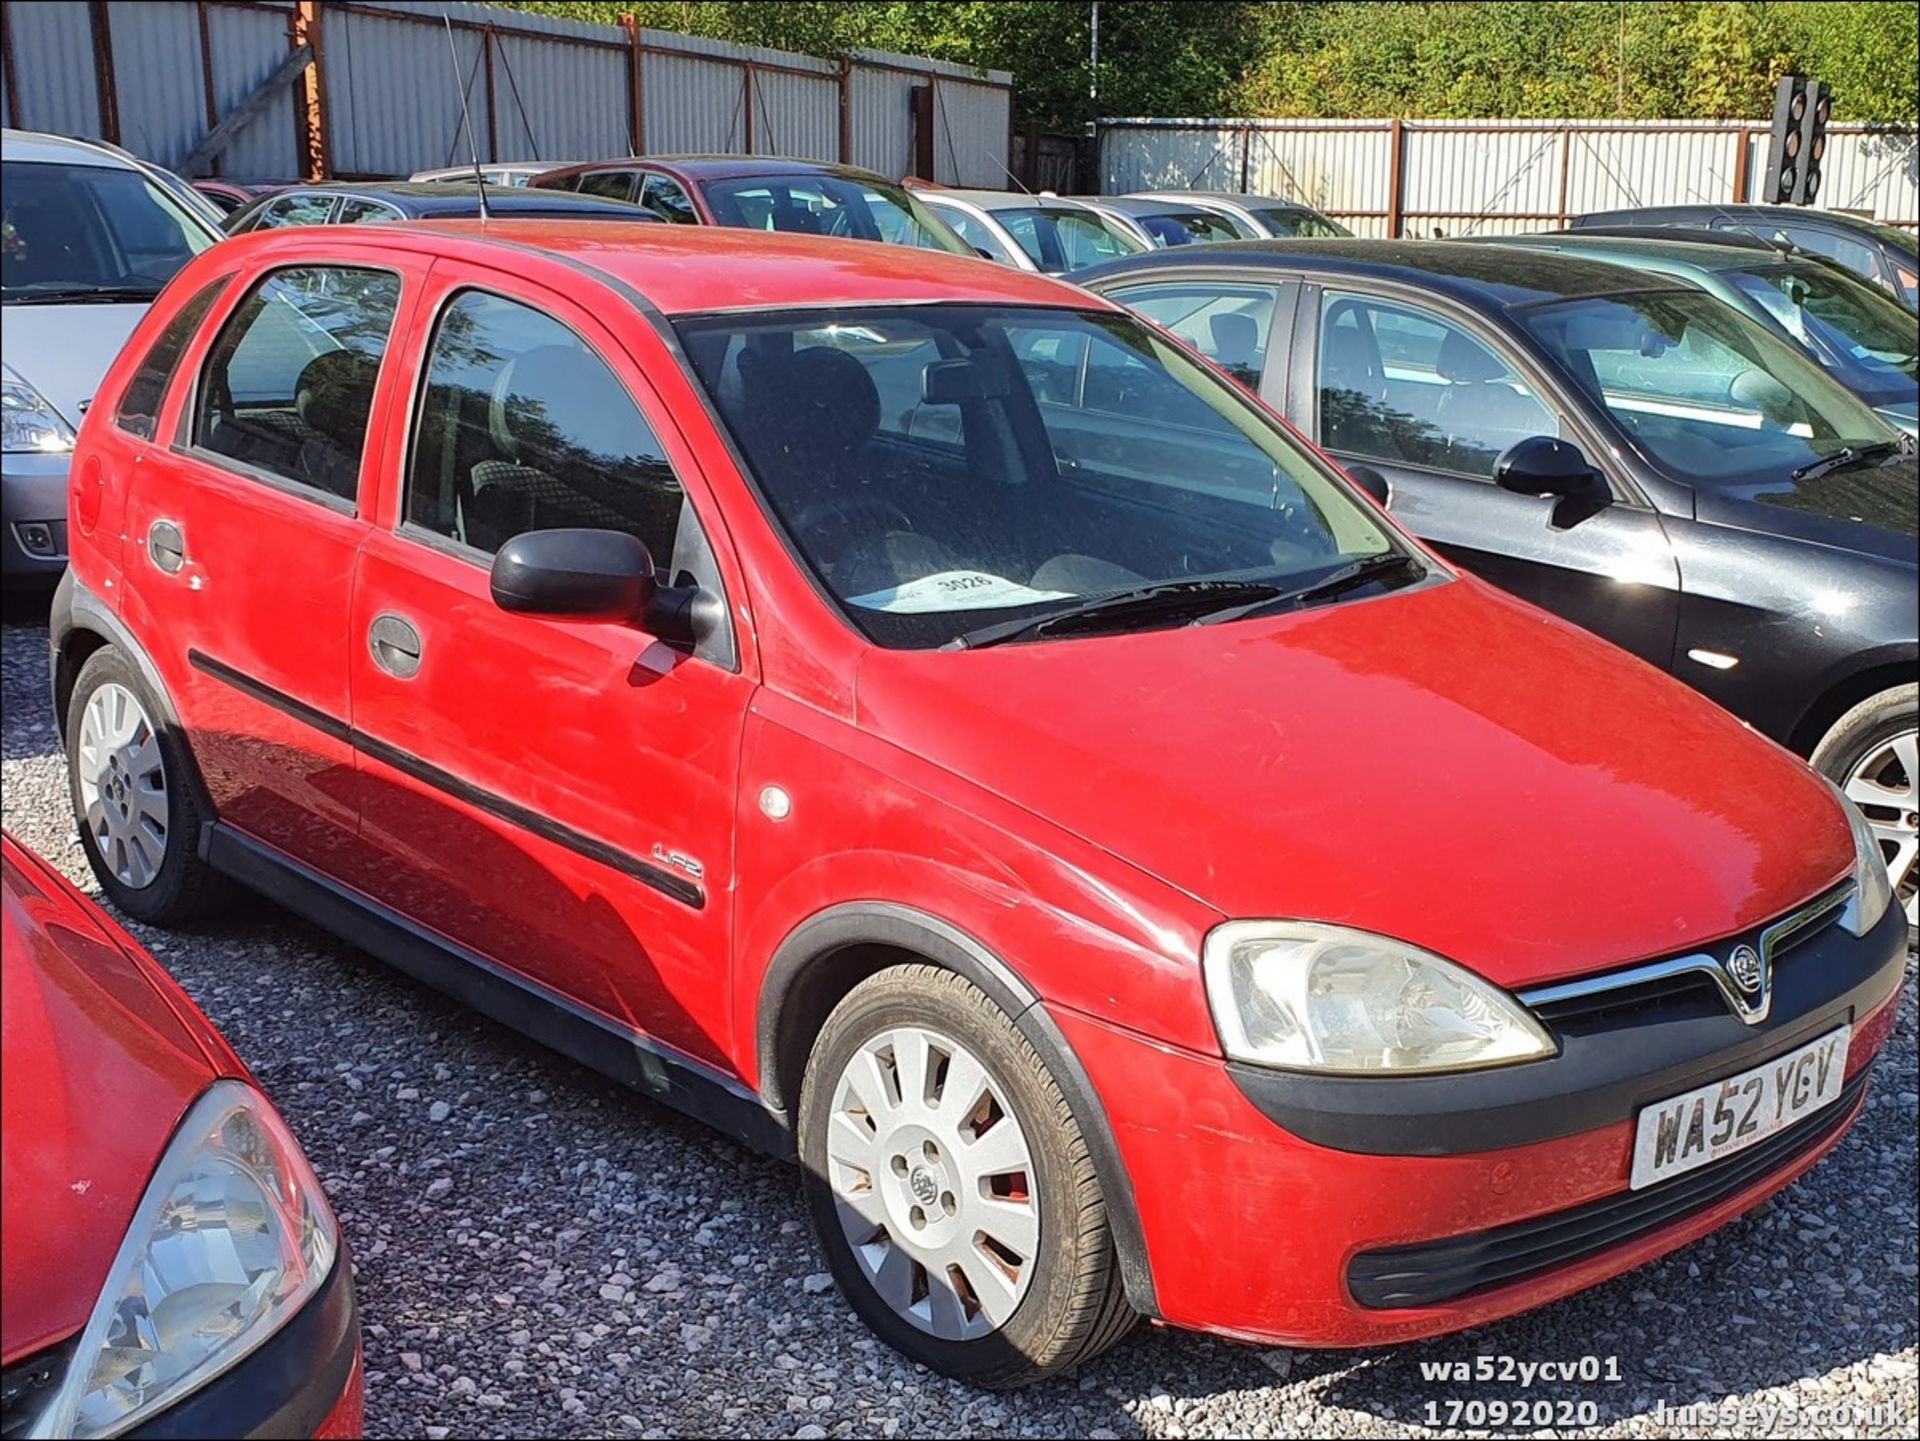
(579, 574)
(600, 575)
(1372, 482)
(1542, 465)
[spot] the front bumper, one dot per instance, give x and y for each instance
(1257, 1232)
(33, 519)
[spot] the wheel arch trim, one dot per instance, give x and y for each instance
(897, 927)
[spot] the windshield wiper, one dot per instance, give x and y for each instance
(84, 295)
(1361, 572)
(1165, 601)
(1849, 456)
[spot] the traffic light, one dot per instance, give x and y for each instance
(1801, 109)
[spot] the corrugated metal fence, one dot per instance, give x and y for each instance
(1392, 177)
(381, 96)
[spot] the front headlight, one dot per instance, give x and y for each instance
(27, 422)
(1875, 891)
(233, 1237)
(1315, 997)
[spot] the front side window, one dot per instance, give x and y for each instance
(523, 427)
(831, 205)
(291, 210)
(1058, 240)
(1866, 339)
(608, 184)
(1285, 220)
(139, 411)
(1709, 396)
(75, 232)
(1229, 324)
(972, 229)
(1856, 255)
(1188, 227)
(945, 467)
(289, 382)
(1402, 385)
(668, 200)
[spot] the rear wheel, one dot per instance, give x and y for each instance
(1873, 754)
(951, 1186)
(138, 819)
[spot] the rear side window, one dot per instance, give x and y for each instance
(364, 212)
(523, 427)
(295, 210)
(1229, 324)
(608, 184)
(288, 385)
(139, 411)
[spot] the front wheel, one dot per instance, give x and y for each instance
(951, 1186)
(1873, 754)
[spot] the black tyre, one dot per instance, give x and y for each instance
(133, 798)
(1870, 753)
(951, 1186)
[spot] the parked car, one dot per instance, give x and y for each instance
(1621, 449)
(389, 200)
(515, 173)
(757, 192)
(1884, 254)
(1863, 336)
(169, 1262)
(1164, 223)
(1261, 216)
(915, 716)
(228, 196)
(181, 189)
(1033, 232)
(87, 239)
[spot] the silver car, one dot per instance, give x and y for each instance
(88, 238)
(1033, 232)
(1262, 215)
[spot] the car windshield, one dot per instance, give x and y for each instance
(941, 468)
(830, 205)
(1185, 227)
(1058, 240)
(1286, 220)
(1868, 341)
(79, 232)
(1706, 394)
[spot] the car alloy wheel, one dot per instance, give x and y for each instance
(123, 785)
(933, 1183)
(1885, 784)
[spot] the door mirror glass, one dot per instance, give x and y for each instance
(1542, 465)
(578, 574)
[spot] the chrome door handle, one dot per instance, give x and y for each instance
(166, 547)
(395, 646)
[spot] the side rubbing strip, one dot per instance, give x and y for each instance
(648, 874)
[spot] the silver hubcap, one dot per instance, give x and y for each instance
(934, 1184)
(123, 786)
(1886, 787)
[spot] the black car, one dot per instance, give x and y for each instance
(1884, 254)
(1626, 451)
(353, 203)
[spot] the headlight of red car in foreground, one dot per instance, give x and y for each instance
(232, 1238)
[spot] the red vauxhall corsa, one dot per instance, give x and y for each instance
(924, 720)
(168, 1263)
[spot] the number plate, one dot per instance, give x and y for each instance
(1683, 1132)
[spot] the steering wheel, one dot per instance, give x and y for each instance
(831, 524)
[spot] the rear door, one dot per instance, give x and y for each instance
(244, 532)
(553, 795)
(1430, 398)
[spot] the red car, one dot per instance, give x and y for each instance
(758, 192)
(923, 719)
(169, 1264)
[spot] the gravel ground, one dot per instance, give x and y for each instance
(540, 1253)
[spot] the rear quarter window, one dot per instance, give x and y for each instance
(139, 411)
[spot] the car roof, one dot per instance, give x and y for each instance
(688, 269)
(1001, 199)
(1486, 276)
(727, 167)
(1134, 204)
(1232, 197)
(35, 145)
(1688, 234)
(424, 199)
(1635, 250)
(1762, 215)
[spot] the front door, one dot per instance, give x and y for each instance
(243, 537)
(554, 795)
(1431, 402)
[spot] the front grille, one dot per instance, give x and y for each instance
(28, 1384)
(1683, 987)
(1437, 1271)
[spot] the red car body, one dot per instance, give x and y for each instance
(103, 1056)
(1064, 824)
